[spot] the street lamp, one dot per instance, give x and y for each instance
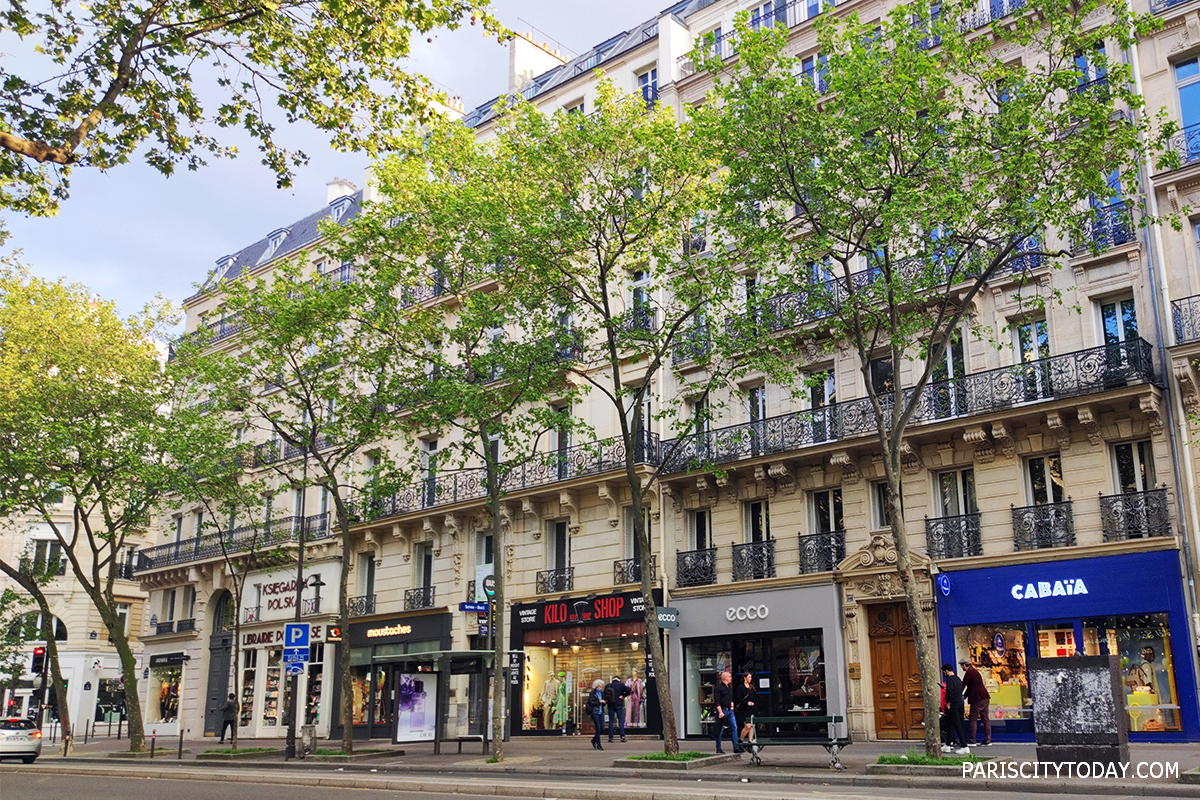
(294, 679)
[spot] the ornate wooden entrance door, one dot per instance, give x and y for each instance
(899, 703)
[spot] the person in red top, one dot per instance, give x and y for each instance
(980, 699)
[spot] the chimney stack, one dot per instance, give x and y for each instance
(338, 188)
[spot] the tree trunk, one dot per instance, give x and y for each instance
(927, 657)
(56, 678)
(496, 615)
(345, 678)
(653, 640)
(133, 706)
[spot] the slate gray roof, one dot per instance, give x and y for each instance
(605, 51)
(298, 235)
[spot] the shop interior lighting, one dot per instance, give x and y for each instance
(634, 644)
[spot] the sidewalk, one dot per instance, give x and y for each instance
(571, 757)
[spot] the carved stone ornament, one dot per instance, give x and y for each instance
(784, 480)
(1058, 424)
(910, 459)
(1091, 424)
(457, 561)
(1186, 373)
(1003, 437)
(727, 484)
(509, 552)
(568, 503)
(610, 494)
(842, 460)
(707, 490)
(675, 495)
(880, 551)
(886, 584)
(532, 508)
(765, 482)
(1151, 405)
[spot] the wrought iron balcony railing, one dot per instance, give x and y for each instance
(629, 570)
(649, 95)
(252, 614)
(953, 537)
(822, 552)
(164, 627)
(1135, 515)
(578, 461)
(421, 597)
(1043, 527)
(550, 581)
(1077, 374)
(361, 606)
(124, 570)
(1159, 6)
(638, 318)
(1109, 226)
(696, 567)
(1186, 142)
(691, 345)
(1098, 85)
(754, 561)
(185, 625)
(238, 540)
(274, 452)
(1185, 314)
(310, 605)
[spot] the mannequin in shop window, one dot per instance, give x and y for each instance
(637, 690)
(561, 706)
(548, 697)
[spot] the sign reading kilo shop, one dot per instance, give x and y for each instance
(617, 607)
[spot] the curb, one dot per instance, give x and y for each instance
(350, 780)
(674, 766)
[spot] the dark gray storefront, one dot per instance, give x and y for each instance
(791, 639)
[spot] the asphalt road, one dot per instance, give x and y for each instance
(14, 785)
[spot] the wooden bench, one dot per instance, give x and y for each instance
(474, 737)
(832, 744)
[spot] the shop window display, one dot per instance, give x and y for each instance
(998, 652)
(360, 681)
(1142, 643)
(789, 673)
(312, 700)
(250, 659)
(560, 665)
(165, 693)
(272, 694)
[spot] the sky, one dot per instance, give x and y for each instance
(130, 233)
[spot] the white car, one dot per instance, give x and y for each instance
(20, 738)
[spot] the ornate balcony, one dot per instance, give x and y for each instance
(421, 597)
(953, 537)
(638, 318)
(692, 345)
(252, 614)
(1109, 226)
(550, 581)
(447, 488)
(185, 625)
(1077, 374)
(1043, 527)
(1159, 6)
(274, 452)
(822, 552)
(1135, 515)
(629, 570)
(164, 627)
(696, 567)
(1185, 314)
(248, 538)
(361, 606)
(754, 561)
(310, 605)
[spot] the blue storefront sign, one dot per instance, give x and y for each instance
(1131, 606)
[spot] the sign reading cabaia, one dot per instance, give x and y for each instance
(1035, 591)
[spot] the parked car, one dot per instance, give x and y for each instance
(20, 738)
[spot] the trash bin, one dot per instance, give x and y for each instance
(308, 739)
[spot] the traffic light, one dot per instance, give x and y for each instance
(39, 660)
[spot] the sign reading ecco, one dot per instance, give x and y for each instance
(741, 613)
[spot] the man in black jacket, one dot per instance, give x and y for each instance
(725, 714)
(952, 722)
(614, 700)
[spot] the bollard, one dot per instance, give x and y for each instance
(180, 756)
(53, 731)
(119, 721)
(153, 734)
(109, 726)
(85, 731)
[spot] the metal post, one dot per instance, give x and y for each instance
(120, 722)
(294, 680)
(180, 756)
(85, 731)
(153, 735)
(53, 731)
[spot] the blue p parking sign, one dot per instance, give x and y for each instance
(295, 634)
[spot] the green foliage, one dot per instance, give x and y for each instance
(914, 757)
(104, 81)
(14, 633)
(690, 755)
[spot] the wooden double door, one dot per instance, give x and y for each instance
(899, 702)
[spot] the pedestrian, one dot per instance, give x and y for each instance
(953, 719)
(594, 708)
(744, 695)
(980, 700)
(614, 700)
(228, 716)
(725, 711)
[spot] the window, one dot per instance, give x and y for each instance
(955, 492)
(168, 605)
(560, 439)
(883, 376)
(429, 449)
(750, 300)
(1187, 82)
(639, 297)
(1044, 479)
(1091, 67)
(757, 521)
(483, 549)
(123, 617)
(716, 42)
(1143, 646)
(762, 16)
(177, 524)
(700, 529)
(947, 393)
(575, 108)
(1133, 467)
(198, 523)
(187, 608)
(756, 412)
(558, 545)
(826, 511)
(881, 511)
(700, 413)
(1032, 342)
(424, 565)
(695, 238)
(47, 556)
(822, 397)
(494, 452)
(812, 72)
(1119, 321)
(647, 83)
(366, 573)
(273, 242)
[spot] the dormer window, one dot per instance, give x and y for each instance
(273, 243)
(337, 209)
(222, 269)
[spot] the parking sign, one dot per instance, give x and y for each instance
(295, 634)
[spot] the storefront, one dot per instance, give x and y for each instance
(559, 647)
(791, 639)
(166, 675)
(1130, 606)
(396, 665)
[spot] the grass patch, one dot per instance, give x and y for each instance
(918, 758)
(690, 755)
(228, 751)
(492, 760)
(322, 752)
